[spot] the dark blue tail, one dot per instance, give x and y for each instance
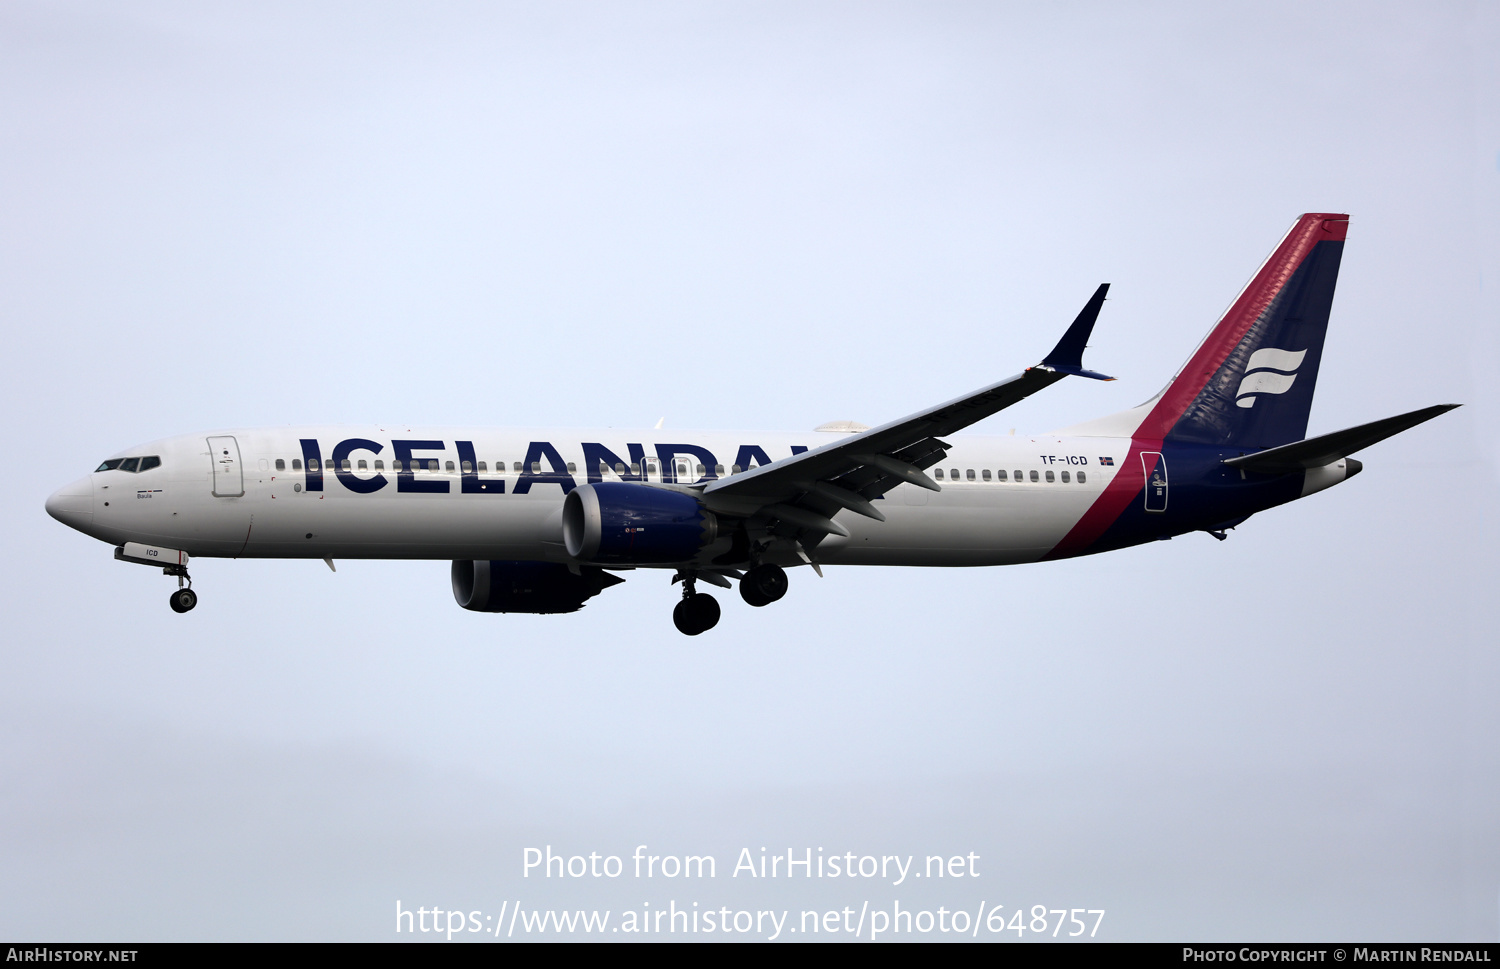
(1250, 383)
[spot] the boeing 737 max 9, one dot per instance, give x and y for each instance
(541, 520)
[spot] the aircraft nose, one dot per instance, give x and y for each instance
(73, 505)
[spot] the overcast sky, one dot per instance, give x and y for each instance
(760, 216)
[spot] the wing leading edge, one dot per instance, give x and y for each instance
(804, 492)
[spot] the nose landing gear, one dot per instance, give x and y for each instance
(171, 561)
(183, 600)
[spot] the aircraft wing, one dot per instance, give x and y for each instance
(807, 490)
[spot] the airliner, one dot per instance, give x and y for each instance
(542, 520)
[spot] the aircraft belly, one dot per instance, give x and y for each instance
(979, 525)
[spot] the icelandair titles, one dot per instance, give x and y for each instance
(543, 465)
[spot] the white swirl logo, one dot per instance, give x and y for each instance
(1271, 371)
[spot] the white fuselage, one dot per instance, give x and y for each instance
(260, 502)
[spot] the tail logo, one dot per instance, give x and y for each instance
(1271, 371)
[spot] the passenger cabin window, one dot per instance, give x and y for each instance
(281, 464)
(1082, 478)
(296, 464)
(719, 469)
(312, 464)
(734, 469)
(1000, 476)
(938, 474)
(986, 474)
(1065, 477)
(1050, 478)
(635, 467)
(344, 465)
(970, 474)
(363, 465)
(379, 465)
(518, 467)
(572, 468)
(536, 467)
(449, 466)
(619, 467)
(953, 473)
(1033, 475)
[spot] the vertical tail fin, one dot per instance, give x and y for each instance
(1250, 383)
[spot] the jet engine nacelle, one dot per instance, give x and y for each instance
(631, 523)
(540, 587)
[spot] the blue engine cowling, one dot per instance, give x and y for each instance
(540, 587)
(631, 523)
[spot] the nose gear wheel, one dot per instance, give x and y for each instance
(183, 600)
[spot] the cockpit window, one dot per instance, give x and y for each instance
(132, 465)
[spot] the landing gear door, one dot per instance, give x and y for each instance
(229, 479)
(1155, 468)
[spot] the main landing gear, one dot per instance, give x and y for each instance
(763, 584)
(698, 612)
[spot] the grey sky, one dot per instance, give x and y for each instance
(748, 216)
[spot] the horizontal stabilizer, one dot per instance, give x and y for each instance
(1315, 452)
